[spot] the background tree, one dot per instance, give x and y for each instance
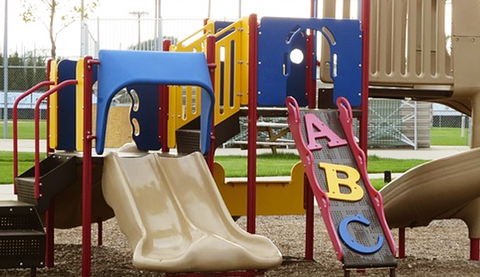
(55, 15)
(24, 71)
(151, 44)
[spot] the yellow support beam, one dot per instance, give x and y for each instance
(79, 106)
(53, 108)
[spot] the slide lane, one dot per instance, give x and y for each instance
(445, 188)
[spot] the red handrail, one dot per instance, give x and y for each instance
(37, 130)
(15, 124)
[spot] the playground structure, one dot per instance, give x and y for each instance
(409, 57)
(251, 87)
(191, 106)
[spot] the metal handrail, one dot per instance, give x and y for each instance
(15, 124)
(37, 130)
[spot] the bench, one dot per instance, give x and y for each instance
(274, 139)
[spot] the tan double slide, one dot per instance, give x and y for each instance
(175, 219)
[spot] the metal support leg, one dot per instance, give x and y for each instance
(401, 243)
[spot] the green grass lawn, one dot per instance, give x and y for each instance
(26, 129)
(281, 164)
(26, 161)
(235, 166)
(448, 136)
(377, 183)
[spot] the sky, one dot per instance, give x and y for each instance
(28, 36)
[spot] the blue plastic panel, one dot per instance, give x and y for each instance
(145, 112)
(66, 107)
(220, 25)
(120, 69)
(278, 77)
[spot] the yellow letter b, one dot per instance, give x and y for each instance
(334, 182)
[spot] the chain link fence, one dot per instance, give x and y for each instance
(450, 127)
(392, 123)
(24, 71)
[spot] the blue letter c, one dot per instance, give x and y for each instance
(351, 242)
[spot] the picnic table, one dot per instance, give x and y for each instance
(275, 132)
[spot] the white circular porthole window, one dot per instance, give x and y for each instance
(296, 56)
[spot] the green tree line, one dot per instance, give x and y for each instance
(23, 71)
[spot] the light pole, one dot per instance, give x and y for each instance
(239, 9)
(209, 9)
(5, 74)
(158, 26)
(139, 14)
(83, 50)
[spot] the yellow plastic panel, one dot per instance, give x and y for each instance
(244, 66)
(274, 196)
(79, 106)
(232, 56)
(53, 108)
(172, 112)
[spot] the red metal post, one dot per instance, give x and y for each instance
(310, 78)
(211, 67)
(310, 84)
(50, 235)
(252, 124)
(474, 249)
(365, 25)
(87, 167)
(49, 215)
(311, 87)
(163, 108)
(310, 220)
(401, 243)
(163, 117)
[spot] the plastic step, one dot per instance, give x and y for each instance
(57, 172)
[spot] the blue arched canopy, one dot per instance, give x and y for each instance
(122, 69)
